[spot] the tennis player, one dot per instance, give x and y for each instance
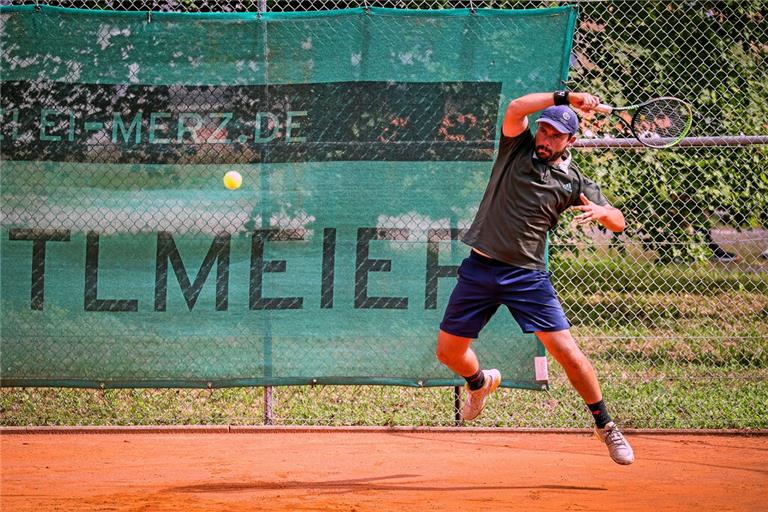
(532, 183)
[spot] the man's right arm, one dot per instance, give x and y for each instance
(518, 110)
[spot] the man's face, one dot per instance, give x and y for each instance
(550, 143)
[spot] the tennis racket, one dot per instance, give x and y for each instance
(658, 123)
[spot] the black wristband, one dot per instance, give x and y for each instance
(561, 97)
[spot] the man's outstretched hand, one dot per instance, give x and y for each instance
(591, 211)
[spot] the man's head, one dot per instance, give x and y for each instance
(557, 130)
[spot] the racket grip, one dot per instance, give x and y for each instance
(605, 109)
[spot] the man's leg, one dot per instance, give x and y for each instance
(455, 353)
(577, 367)
(583, 378)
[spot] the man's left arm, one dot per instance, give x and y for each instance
(611, 218)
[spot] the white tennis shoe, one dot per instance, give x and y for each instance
(618, 447)
(475, 401)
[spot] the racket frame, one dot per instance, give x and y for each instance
(608, 109)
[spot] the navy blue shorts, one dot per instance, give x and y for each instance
(484, 284)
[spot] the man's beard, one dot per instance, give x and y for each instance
(549, 157)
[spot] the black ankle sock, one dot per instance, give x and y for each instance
(475, 381)
(600, 413)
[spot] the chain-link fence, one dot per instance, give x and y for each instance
(673, 313)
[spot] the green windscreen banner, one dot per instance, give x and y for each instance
(364, 138)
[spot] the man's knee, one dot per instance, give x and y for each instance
(564, 349)
(442, 354)
(576, 361)
(443, 349)
(450, 347)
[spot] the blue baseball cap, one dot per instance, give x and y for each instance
(561, 117)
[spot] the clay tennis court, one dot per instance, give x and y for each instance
(378, 470)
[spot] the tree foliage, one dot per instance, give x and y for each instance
(715, 55)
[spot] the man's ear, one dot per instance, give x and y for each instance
(572, 140)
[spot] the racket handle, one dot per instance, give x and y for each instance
(603, 108)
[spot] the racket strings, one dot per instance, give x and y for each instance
(660, 122)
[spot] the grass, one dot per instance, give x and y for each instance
(674, 348)
(671, 396)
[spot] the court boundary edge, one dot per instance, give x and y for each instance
(301, 429)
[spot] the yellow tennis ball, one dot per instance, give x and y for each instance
(233, 180)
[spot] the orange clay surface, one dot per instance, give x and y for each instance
(379, 471)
